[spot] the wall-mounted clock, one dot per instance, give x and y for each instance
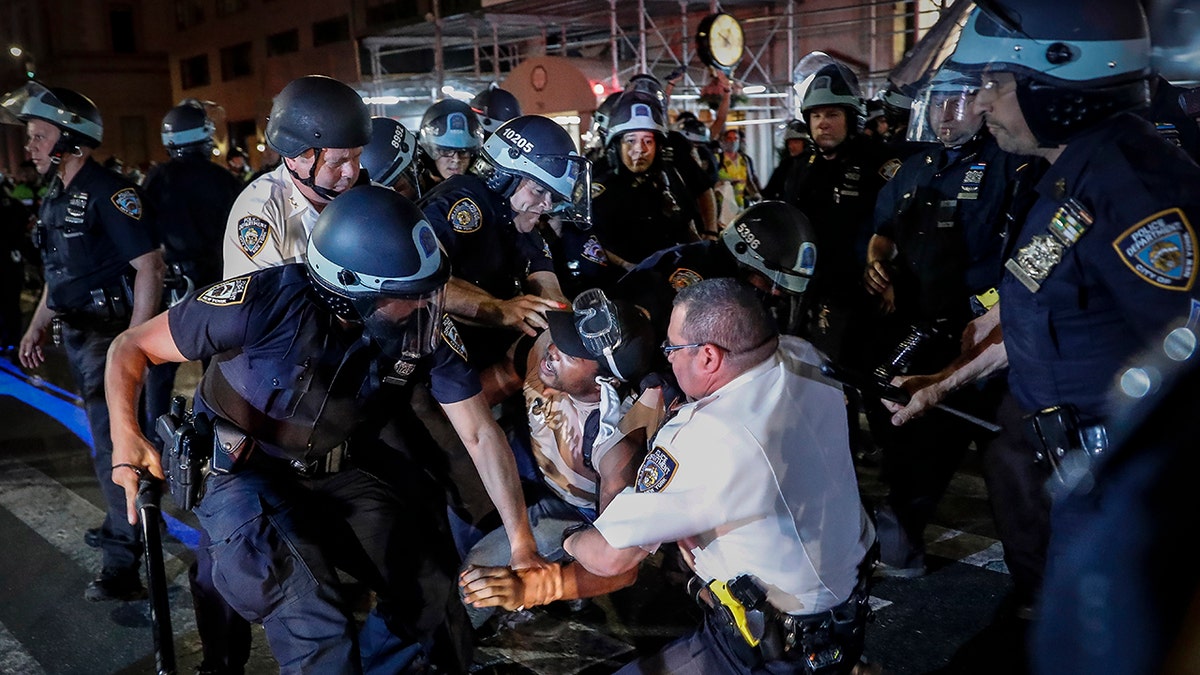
(720, 41)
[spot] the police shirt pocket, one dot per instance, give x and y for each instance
(282, 387)
(258, 570)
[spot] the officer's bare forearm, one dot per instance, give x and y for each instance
(546, 285)
(497, 468)
(471, 303)
(42, 315)
(591, 550)
(125, 370)
(147, 286)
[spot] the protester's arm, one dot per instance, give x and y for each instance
(147, 286)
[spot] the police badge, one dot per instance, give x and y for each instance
(465, 216)
(1161, 250)
(656, 471)
(1034, 262)
(128, 202)
(252, 235)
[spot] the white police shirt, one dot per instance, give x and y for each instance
(268, 225)
(756, 478)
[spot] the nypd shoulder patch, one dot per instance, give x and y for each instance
(128, 202)
(452, 338)
(227, 293)
(889, 168)
(597, 190)
(253, 233)
(593, 251)
(656, 471)
(465, 216)
(683, 277)
(1161, 250)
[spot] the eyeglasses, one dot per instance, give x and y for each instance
(446, 153)
(667, 347)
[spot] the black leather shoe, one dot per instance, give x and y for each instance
(116, 584)
(91, 537)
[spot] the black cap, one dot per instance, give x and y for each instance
(633, 357)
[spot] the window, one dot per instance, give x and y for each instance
(235, 62)
(193, 71)
(120, 24)
(332, 30)
(283, 43)
(188, 13)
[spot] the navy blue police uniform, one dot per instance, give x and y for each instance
(580, 261)
(316, 487)
(653, 283)
(475, 225)
(88, 232)
(945, 210)
(1126, 269)
(190, 198)
(677, 153)
(638, 214)
(838, 196)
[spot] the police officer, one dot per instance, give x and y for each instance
(935, 261)
(723, 479)
(448, 141)
(680, 153)
(312, 359)
(104, 273)
(495, 106)
(601, 118)
(796, 144)
(1100, 263)
(770, 246)
(191, 198)
(319, 126)
(503, 273)
(390, 152)
(836, 188)
(640, 202)
(698, 134)
(238, 163)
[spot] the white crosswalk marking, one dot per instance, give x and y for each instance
(14, 658)
(25, 492)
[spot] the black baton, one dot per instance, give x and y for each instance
(149, 497)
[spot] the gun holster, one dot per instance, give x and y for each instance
(1063, 443)
(185, 460)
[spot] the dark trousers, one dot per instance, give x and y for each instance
(277, 540)
(120, 542)
(1016, 486)
(224, 635)
(709, 650)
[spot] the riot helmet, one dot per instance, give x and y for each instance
(495, 106)
(75, 115)
(634, 111)
(796, 130)
(374, 259)
(695, 131)
(835, 84)
(776, 240)
(450, 124)
(390, 151)
(602, 116)
(1075, 65)
(945, 109)
(536, 147)
(317, 112)
(649, 85)
(188, 130)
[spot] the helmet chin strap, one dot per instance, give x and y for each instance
(310, 182)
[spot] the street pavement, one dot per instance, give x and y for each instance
(953, 620)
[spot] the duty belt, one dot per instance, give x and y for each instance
(335, 461)
(1060, 441)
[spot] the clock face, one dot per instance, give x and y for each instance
(726, 40)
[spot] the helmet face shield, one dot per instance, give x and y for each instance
(944, 111)
(34, 100)
(405, 328)
(577, 207)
